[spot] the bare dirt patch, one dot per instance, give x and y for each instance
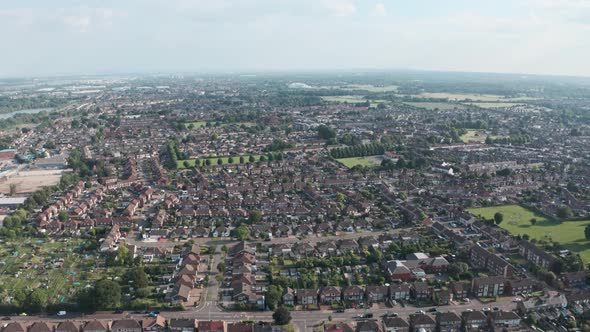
(30, 181)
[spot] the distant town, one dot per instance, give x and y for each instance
(369, 202)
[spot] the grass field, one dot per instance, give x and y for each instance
(474, 136)
(196, 124)
(432, 106)
(494, 105)
(370, 88)
(351, 100)
(180, 163)
(363, 161)
(569, 234)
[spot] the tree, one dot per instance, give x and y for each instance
(219, 161)
(254, 217)
(63, 216)
(242, 233)
(230, 160)
(107, 294)
(208, 162)
(587, 232)
(251, 159)
(138, 277)
(564, 212)
(242, 159)
(456, 269)
(37, 300)
(498, 218)
(533, 221)
(12, 189)
(281, 316)
(186, 164)
(123, 255)
(221, 267)
(273, 296)
(326, 132)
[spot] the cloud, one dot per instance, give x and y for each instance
(339, 7)
(379, 10)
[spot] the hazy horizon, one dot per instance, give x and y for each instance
(74, 37)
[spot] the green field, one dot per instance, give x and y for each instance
(474, 135)
(494, 105)
(363, 161)
(569, 234)
(180, 163)
(433, 106)
(370, 88)
(196, 124)
(351, 100)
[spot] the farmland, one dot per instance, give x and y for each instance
(224, 160)
(436, 106)
(570, 234)
(362, 161)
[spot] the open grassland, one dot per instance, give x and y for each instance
(474, 136)
(495, 105)
(569, 234)
(224, 160)
(195, 124)
(370, 88)
(363, 161)
(486, 98)
(351, 100)
(436, 106)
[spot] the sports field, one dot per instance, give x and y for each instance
(570, 234)
(474, 136)
(363, 161)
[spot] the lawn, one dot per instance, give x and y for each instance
(196, 124)
(569, 234)
(474, 135)
(180, 163)
(434, 106)
(351, 100)
(370, 88)
(363, 161)
(495, 105)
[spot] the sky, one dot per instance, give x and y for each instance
(63, 37)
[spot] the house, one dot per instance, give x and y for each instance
(475, 320)
(125, 325)
(398, 271)
(240, 327)
(481, 258)
(553, 300)
(578, 298)
(369, 326)
(353, 293)
(306, 296)
(574, 279)
(488, 286)
(337, 327)
(504, 319)
(211, 326)
(517, 287)
(420, 291)
(40, 327)
(182, 325)
(67, 326)
(395, 324)
(95, 326)
(422, 322)
(154, 324)
(14, 327)
(330, 294)
(448, 322)
(376, 293)
(289, 296)
(535, 255)
(460, 289)
(399, 292)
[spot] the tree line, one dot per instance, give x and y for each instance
(359, 150)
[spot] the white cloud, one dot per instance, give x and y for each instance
(379, 10)
(339, 7)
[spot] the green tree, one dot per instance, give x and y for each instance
(281, 316)
(242, 233)
(564, 212)
(107, 294)
(63, 216)
(138, 277)
(251, 159)
(230, 160)
(273, 296)
(219, 161)
(498, 218)
(208, 162)
(221, 267)
(242, 159)
(254, 217)
(587, 232)
(186, 164)
(37, 300)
